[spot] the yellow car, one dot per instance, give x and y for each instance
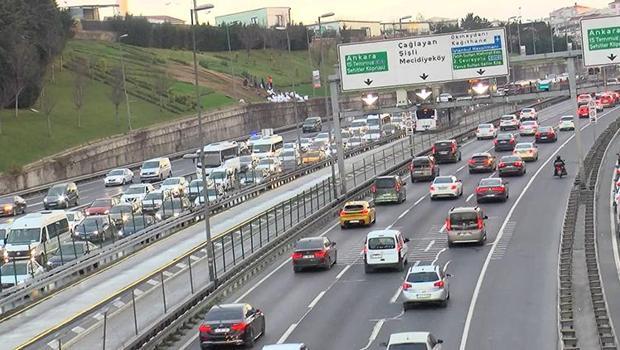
(312, 156)
(358, 212)
(528, 151)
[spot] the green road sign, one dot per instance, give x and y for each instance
(604, 38)
(370, 62)
(477, 59)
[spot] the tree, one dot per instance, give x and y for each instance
(23, 60)
(440, 28)
(249, 37)
(471, 22)
(79, 87)
(116, 94)
(162, 84)
(47, 106)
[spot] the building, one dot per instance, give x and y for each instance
(86, 12)
(567, 20)
(442, 20)
(164, 19)
(614, 7)
(266, 17)
(405, 28)
(371, 28)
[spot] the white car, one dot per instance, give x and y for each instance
(175, 185)
(385, 248)
(74, 217)
(136, 193)
(566, 123)
(153, 200)
(356, 141)
(528, 114)
(222, 179)
(323, 137)
(20, 271)
(413, 340)
(4, 231)
(528, 127)
(509, 122)
(213, 195)
(426, 284)
(446, 186)
(372, 135)
(359, 126)
(445, 97)
(486, 131)
(270, 165)
(305, 143)
(118, 177)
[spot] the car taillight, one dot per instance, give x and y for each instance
(239, 326)
(320, 254)
(439, 284)
(432, 188)
(204, 328)
(512, 141)
(365, 211)
(498, 189)
(518, 163)
(495, 142)
(433, 149)
(342, 212)
(471, 161)
(397, 187)
(296, 255)
(411, 166)
(365, 250)
(453, 187)
(537, 134)
(480, 223)
(406, 285)
(502, 165)
(373, 188)
(448, 225)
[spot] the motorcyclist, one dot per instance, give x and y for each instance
(558, 162)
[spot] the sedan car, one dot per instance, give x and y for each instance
(492, 188)
(358, 212)
(136, 193)
(546, 134)
(446, 186)
(173, 208)
(269, 165)
(118, 177)
(177, 186)
(528, 151)
(528, 128)
(231, 324)
(135, 224)
(482, 162)
(18, 272)
(504, 142)
(304, 143)
(511, 165)
(120, 213)
(96, 228)
(566, 123)
(152, 201)
(101, 206)
(356, 141)
(413, 341)
(426, 284)
(314, 252)
(313, 156)
(311, 124)
(68, 252)
(12, 206)
(254, 177)
(486, 131)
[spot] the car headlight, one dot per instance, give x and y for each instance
(95, 232)
(61, 198)
(106, 212)
(45, 200)
(120, 233)
(158, 216)
(176, 215)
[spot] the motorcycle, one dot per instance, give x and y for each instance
(560, 170)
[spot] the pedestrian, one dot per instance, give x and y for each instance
(245, 82)
(270, 82)
(262, 83)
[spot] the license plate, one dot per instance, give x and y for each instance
(443, 152)
(543, 137)
(376, 255)
(503, 142)
(308, 256)
(423, 296)
(479, 166)
(222, 330)
(354, 221)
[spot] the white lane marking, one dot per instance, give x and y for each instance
(438, 254)
(430, 244)
(286, 334)
(402, 215)
(316, 300)
(396, 295)
(445, 267)
(118, 303)
(98, 316)
(469, 197)
(341, 273)
(443, 228)
(375, 332)
(152, 282)
(459, 169)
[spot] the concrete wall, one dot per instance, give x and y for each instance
(156, 141)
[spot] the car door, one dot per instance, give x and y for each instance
(329, 247)
(405, 248)
(252, 319)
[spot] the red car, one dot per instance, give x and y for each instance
(101, 206)
(583, 111)
(607, 100)
(546, 134)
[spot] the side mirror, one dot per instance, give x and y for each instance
(448, 275)
(383, 344)
(485, 217)
(333, 244)
(439, 341)
(406, 240)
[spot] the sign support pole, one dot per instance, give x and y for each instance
(333, 81)
(572, 82)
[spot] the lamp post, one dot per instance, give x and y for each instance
(194, 14)
(328, 14)
(288, 45)
(120, 45)
(514, 20)
(400, 24)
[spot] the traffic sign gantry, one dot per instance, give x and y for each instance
(601, 41)
(423, 60)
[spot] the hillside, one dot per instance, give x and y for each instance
(148, 72)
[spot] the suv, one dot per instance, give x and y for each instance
(509, 122)
(528, 114)
(413, 340)
(426, 284)
(423, 168)
(61, 196)
(389, 189)
(312, 124)
(482, 162)
(466, 225)
(446, 151)
(385, 248)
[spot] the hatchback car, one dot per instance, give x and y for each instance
(446, 151)
(528, 128)
(101, 206)
(135, 224)
(358, 213)
(511, 165)
(509, 122)
(118, 177)
(96, 228)
(314, 252)
(12, 206)
(482, 162)
(173, 208)
(18, 272)
(312, 124)
(528, 114)
(466, 225)
(135, 193)
(389, 189)
(247, 162)
(413, 341)
(528, 151)
(504, 142)
(546, 134)
(153, 201)
(583, 111)
(566, 123)
(492, 188)
(177, 186)
(63, 195)
(231, 324)
(446, 186)
(423, 168)
(426, 284)
(68, 252)
(486, 131)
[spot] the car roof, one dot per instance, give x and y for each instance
(228, 306)
(463, 209)
(530, 144)
(482, 154)
(424, 268)
(309, 239)
(356, 203)
(382, 233)
(451, 177)
(387, 177)
(283, 346)
(408, 337)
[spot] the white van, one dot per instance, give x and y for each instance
(385, 248)
(37, 233)
(268, 146)
(155, 169)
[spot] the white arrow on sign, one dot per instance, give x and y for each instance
(423, 94)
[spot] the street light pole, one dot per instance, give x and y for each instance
(325, 80)
(120, 45)
(400, 24)
(210, 254)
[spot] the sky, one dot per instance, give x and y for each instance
(307, 11)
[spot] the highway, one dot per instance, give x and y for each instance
(503, 295)
(56, 310)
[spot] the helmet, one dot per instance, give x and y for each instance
(558, 158)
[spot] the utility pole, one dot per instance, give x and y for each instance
(334, 91)
(572, 82)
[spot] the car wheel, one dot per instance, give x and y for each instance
(432, 198)
(343, 226)
(450, 244)
(335, 258)
(14, 213)
(123, 184)
(367, 268)
(296, 269)
(374, 219)
(401, 266)
(444, 303)
(249, 342)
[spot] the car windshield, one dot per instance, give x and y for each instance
(373, 121)
(443, 145)
(545, 129)
(195, 186)
(313, 154)
(381, 243)
(23, 235)
(423, 162)
(410, 346)
(504, 136)
(510, 159)
(480, 158)
(70, 216)
(358, 123)
(467, 220)
(56, 191)
(76, 249)
(529, 123)
(355, 139)
(171, 181)
(173, 204)
(136, 190)
(288, 153)
(19, 268)
(507, 118)
(154, 196)
(309, 244)
(217, 175)
(245, 159)
(100, 203)
(567, 119)
(385, 182)
(443, 180)
(523, 146)
(266, 161)
(485, 126)
(353, 207)
(91, 223)
(218, 313)
(122, 208)
(421, 277)
(137, 222)
(116, 172)
(261, 148)
(3, 232)
(306, 140)
(527, 110)
(322, 135)
(150, 165)
(490, 182)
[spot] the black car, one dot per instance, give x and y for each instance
(446, 151)
(314, 252)
(312, 124)
(482, 162)
(135, 224)
(68, 252)
(61, 196)
(12, 206)
(173, 208)
(492, 188)
(231, 324)
(95, 228)
(120, 213)
(511, 165)
(505, 142)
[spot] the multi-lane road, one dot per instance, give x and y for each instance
(503, 294)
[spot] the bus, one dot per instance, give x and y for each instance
(223, 154)
(425, 119)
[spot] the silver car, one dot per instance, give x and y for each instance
(426, 284)
(466, 225)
